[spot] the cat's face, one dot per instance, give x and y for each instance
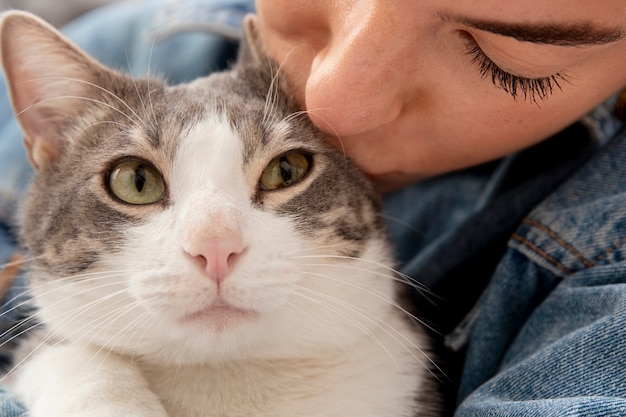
(189, 223)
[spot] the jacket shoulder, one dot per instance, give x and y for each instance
(583, 223)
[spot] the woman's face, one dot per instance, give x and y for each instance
(414, 88)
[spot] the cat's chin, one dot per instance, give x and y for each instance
(219, 317)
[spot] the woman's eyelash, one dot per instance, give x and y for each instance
(533, 89)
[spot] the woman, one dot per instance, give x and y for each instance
(491, 127)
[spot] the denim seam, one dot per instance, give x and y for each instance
(610, 250)
(588, 263)
(542, 253)
(559, 240)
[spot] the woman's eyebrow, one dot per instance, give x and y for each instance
(576, 34)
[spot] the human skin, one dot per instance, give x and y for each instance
(399, 85)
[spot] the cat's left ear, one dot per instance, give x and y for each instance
(251, 49)
(50, 82)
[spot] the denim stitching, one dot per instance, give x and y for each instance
(560, 241)
(563, 243)
(542, 253)
(612, 249)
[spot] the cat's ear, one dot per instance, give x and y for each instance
(49, 79)
(251, 50)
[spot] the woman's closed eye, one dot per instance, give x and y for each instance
(532, 89)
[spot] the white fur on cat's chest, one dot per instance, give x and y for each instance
(363, 383)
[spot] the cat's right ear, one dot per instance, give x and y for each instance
(49, 80)
(251, 49)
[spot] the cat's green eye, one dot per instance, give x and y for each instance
(284, 171)
(136, 182)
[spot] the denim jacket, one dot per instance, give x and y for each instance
(526, 259)
(525, 256)
(548, 336)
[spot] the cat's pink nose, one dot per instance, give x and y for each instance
(216, 254)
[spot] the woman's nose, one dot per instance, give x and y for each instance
(358, 82)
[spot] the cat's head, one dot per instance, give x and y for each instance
(193, 222)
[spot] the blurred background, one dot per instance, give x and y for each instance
(56, 12)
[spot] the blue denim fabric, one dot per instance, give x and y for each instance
(550, 338)
(525, 255)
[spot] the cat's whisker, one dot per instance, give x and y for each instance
(329, 125)
(289, 254)
(8, 273)
(147, 109)
(26, 330)
(81, 276)
(121, 125)
(271, 98)
(378, 295)
(69, 281)
(404, 277)
(19, 261)
(134, 81)
(274, 89)
(21, 300)
(401, 222)
(177, 371)
(399, 337)
(149, 78)
(73, 280)
(98, 322)
(86, 307)
(16, 367)
(343, 307)
(78, 98)
(289, 118)
(16, 264)
(28, 299)
(146, 329)
(137, 121)
(46, 342)
(395, 276)
(336, 306)
(327, 329)
(18, 325)
(94, 288)
(111, 343)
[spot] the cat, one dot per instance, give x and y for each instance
(199, 250)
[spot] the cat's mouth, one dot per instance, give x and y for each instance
(219, 316)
